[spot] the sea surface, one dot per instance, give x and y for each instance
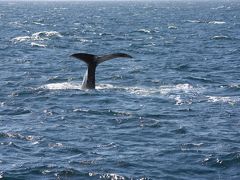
(171, 112)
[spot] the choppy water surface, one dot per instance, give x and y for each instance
(172, 112)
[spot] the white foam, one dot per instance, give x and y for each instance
(42, 35)
(105, 86)
(21, 39)
(235, 85)
(180, 93)
(112, 176)
(145, 31)
(224, 99)
(33, 44)
(172, 27)
(220, 37)
(219, 7)
(217, 22)
(62, 86)
(38, 36)
(194, 21)
(38, 23)
(142, 91)
(186, 88)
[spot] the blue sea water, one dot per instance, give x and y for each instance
(171, 112)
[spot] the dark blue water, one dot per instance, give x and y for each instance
(172, 112)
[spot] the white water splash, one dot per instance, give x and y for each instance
(105, 86)
(42, 35)
(38, 36)
(62, 86)
(180, 93)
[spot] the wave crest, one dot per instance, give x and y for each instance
(38, 36)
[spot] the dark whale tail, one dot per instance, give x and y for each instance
(92, 61)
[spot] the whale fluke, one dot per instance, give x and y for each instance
(92, 61)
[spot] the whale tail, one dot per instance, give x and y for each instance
(92, 61)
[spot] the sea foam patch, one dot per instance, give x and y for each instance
(62, 86)
(38, 36)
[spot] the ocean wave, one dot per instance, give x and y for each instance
(17, 23)
(33, 44)
(226, 160)
(42, 35)
(38, 23)
(191, 146)
(147, 31)
(194, 21)
(180, 93)
(217, 22)
(38, 36)
(206, 22)
(166, 89)
(219, 7)
(235, 86)
(15, 112)
(62, 86)
(172, 27)
(13, 135)
(221, 37)
(224, 99)
(21, 39)
(112, 176)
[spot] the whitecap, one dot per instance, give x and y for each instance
(186, 88)
(33, 44)
(179, 100)
(220, 37)
(219, 7)
(46, 171)
(80, 110)
(2, 104)
(217, 22)
(42, 35)
(38, 36)
(235, 85)
(35, 142)
(145, 31)
(112, 176)
(21, 39)
(77, 24)
(194, 21)
(224, 99)
(83, 40)
(38, 23)
(172, 27)
(143, 91)
(53, 145)
(177, 89)
(16, 23)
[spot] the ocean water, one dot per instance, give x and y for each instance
(171, 112)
